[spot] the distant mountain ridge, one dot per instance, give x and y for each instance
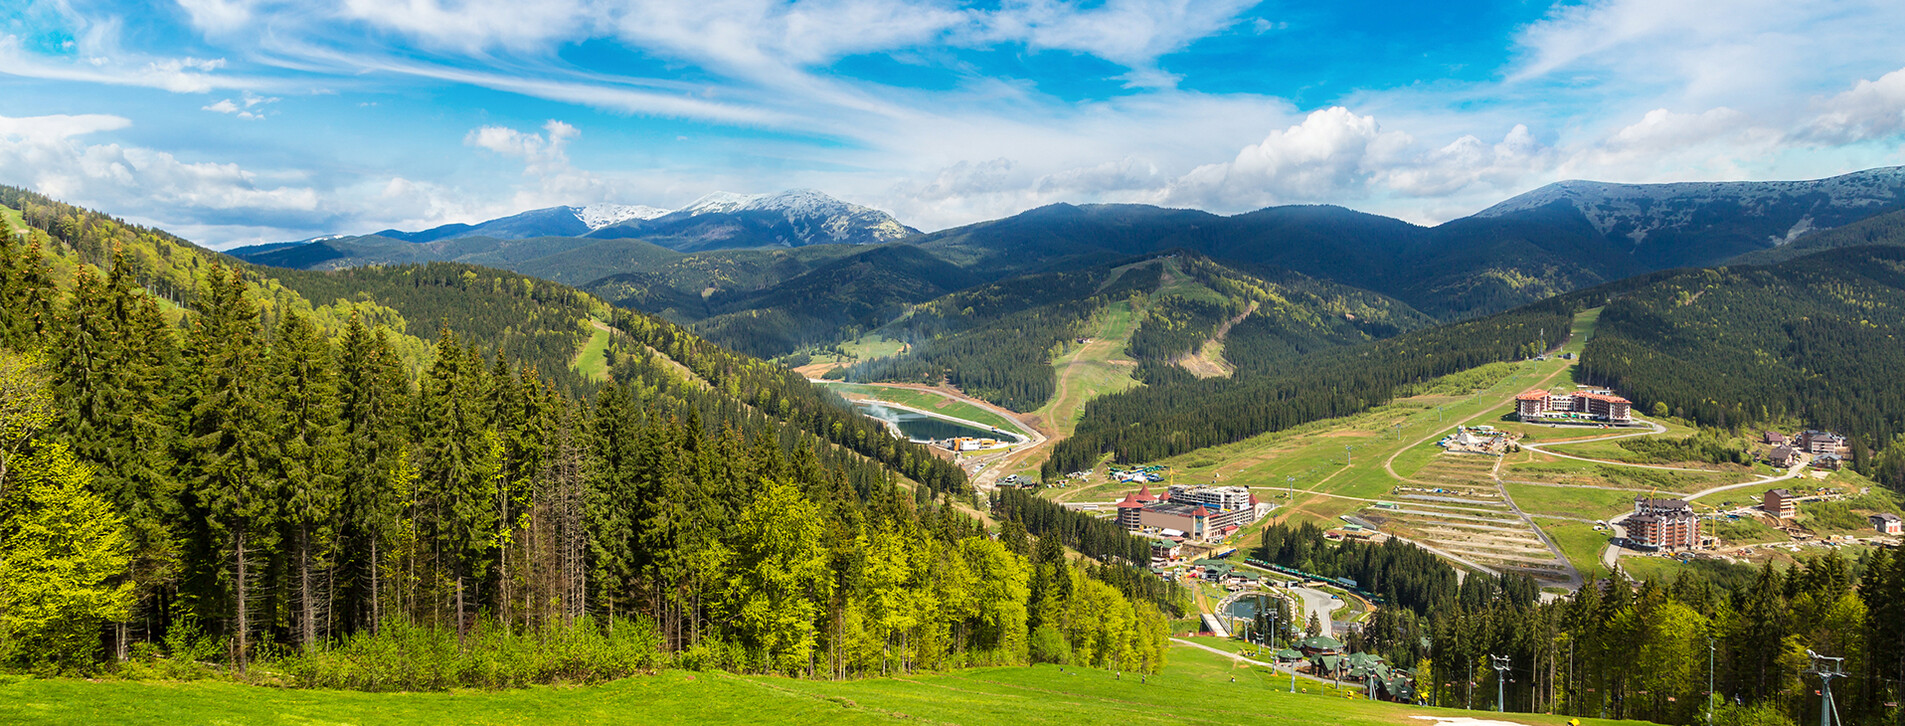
(794, 218)
(1558, 238)
(721, 220)
(1694, 223)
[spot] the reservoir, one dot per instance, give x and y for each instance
(921, 427)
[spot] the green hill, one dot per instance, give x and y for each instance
(1197, 688)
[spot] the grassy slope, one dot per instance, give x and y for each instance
(1094, 369)
(1195, 689)
(590, 361)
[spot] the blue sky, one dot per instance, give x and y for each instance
(240, 121)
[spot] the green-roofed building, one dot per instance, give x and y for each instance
(1320, 644)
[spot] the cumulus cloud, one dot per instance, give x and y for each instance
(1870, 110)
(1330, 152)
(48, 154)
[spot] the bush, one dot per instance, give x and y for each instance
(1758, 714)
(1049, 646)
(403, 656)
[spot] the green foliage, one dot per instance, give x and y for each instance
(1814, 339)
(63, 558)
(402, 656)
(777, 579)
(1757, 714)
(1181, 414)
(1832, 516)
(26, 407)
(1708, 446)
(1049, 646)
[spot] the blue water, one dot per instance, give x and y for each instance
(918, 426)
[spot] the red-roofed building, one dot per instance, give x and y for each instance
(1539, 405)
(1128, 512)
(1144, 494)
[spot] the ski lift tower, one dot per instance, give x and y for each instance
(1501, 666)
(1826, 668)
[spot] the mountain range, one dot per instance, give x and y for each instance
(812, 269)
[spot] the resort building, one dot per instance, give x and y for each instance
(1821, 442)
(1783, 456)
(1887, 523)
(1198, 512)
(1598, 406)
(1780, 503)
(1668, 524)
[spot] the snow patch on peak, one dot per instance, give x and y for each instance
(597, 216)
(721, 203)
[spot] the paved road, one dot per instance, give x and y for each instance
(1319, 604)
(1251, 661)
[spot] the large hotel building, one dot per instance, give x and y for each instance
(1539, 405)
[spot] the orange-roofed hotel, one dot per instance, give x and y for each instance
(1602, 406)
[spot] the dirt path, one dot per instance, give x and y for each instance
(1208, 361)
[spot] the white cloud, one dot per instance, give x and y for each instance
(1870, 110)
(46, 153)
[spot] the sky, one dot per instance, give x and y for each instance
(235, 122)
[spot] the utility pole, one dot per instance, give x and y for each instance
(1347, 456)
(1500, 664)
(1826, 668)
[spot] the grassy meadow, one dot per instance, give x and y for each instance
(1197, 688)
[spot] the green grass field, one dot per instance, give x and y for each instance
(1095, 369)
(925, 401)
(1570, 501)
(591, 362)
(1197, 688)
(1579, 542)
(14, 222)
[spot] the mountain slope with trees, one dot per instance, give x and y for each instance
(310, 495)
(1820, 339)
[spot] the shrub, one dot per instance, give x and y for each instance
(403, 656)
(1049, 646)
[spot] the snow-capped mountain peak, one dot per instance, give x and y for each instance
(597, 216)
(721, 203)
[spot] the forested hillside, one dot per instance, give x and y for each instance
(1882, 230)
(1177, 413)
(1616, 650)
(997, 341)
(1820, 339)
(229, 480)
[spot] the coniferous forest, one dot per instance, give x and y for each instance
(1815, 339)
(189, 484)
(1616, 650)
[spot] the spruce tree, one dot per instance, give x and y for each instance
(301, 388)
(229, 440)
(373, 399)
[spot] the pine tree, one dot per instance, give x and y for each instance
(373, 398)
(301, 389)
(229, 438)
(460, 461)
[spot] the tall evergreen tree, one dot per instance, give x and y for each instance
(229, 440)
(301, 388)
